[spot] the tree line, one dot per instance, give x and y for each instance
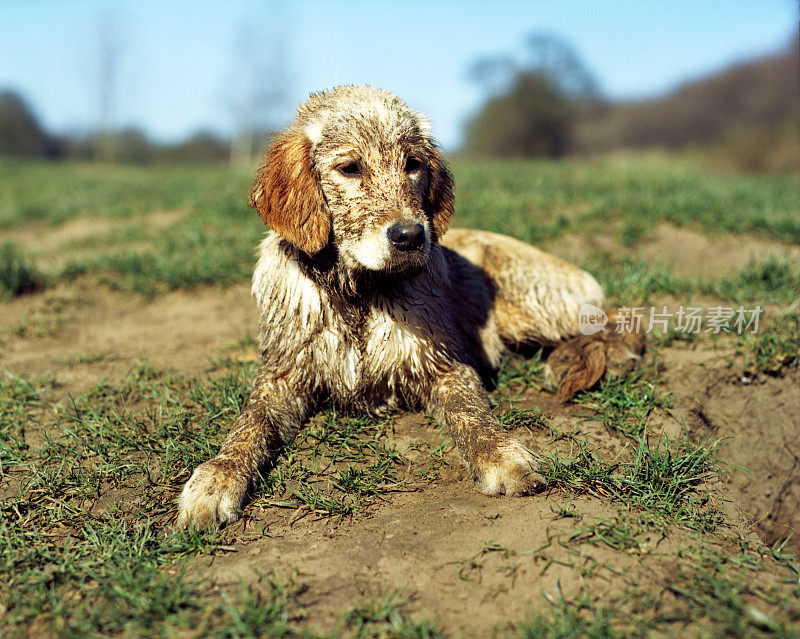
(22, 135)
(547, 103)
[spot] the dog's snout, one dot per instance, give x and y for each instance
(406, 236)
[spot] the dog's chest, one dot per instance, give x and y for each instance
(381, 356)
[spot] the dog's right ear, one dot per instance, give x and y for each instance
(439, 199)
(287, 193)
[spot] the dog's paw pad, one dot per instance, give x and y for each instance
(512, 470)
(213, 495)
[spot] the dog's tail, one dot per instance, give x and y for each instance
(579, 363)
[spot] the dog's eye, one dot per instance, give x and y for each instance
(351, 169)
(413, 165)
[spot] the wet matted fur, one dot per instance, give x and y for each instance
(366, 303)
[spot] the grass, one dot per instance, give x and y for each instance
(534, 200)
(624, 404)
(713, 597)
(105, 578)
(703, 590)
(728, 595)
(662, 479)
(18, 275)
(85, 548)
(776, 348)
(577, 617)
(19, 400)
(110, 577)
(385, 618)
(88, 483)
(631, 281)
(517, 372)
(210, 248)
(530, 418)
(430, 469)
(336, 467)
(213, 241)
(155, 427)
(52, 193)
(772, 279)
(617, 534)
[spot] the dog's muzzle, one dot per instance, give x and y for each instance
(406, 236)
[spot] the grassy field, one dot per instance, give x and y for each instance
(88, 479)
(212, 240)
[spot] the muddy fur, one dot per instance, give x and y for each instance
(351, 318)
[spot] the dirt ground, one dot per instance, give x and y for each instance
(470, 562)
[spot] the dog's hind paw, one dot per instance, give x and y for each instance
(213, 495)
(510, 469)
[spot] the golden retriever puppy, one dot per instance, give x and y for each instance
(366, 303)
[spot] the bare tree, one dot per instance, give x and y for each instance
(554, 57)
(494, 74)
(110, 52)
(259, 96)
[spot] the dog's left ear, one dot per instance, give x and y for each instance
(287, 193)
(439, 200)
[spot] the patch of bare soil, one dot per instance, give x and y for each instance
(758, 424)
(684, 251)
(46, 237)
(48, 242)
(476, 565)
(689, 253)
(84, 332)
(473, 564)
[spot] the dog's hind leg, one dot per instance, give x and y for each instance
(217, 489)
(545, 306)
(533, 307)
(538, 299)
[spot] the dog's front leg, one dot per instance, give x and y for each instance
(502, 465)
(217, 489)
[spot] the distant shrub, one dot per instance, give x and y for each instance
(20, 132)
(17, 275)
(531, 105)
(532, 119)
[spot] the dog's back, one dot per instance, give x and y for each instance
(362, 305)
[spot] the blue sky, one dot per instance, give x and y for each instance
(182, 63)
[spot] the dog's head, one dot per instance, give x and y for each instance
(359, 169)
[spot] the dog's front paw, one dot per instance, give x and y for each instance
(213, 495)
(509, 469)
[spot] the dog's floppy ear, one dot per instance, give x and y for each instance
(439, 198)
(288, 196)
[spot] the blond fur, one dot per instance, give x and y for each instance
(349, 318)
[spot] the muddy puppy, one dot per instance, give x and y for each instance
(366, 303)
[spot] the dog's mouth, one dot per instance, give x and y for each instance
(399, 248)
(405, 264)
(409, 247)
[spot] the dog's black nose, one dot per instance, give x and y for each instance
(406, 236)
